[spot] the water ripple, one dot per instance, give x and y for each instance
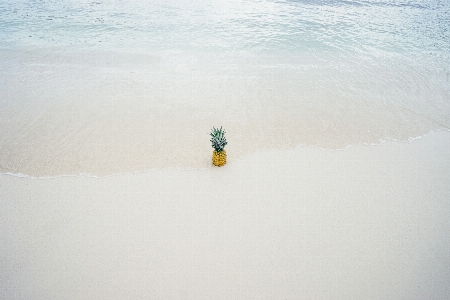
(355, 27)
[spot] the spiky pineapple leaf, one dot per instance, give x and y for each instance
(218, 139)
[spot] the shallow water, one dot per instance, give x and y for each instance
(103, 87)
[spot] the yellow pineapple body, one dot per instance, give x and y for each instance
(219, 158)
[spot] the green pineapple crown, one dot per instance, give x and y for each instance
(218, 139)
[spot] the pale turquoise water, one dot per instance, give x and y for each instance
(362, 28)
(115, 86)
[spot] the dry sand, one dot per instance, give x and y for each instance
(370, 222)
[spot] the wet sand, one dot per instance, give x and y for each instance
(108, 112)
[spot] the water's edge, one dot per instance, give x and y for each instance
(410, 140)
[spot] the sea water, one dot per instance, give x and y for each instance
(102, 87)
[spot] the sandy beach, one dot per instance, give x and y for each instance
(368, 222)
(337, 121)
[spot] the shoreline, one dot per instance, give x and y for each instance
(235, 159)
(367, 222)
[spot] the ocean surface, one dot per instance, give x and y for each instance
(105, 87)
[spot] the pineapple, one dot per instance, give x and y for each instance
(219, 157)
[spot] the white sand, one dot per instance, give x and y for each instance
(370, 222)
